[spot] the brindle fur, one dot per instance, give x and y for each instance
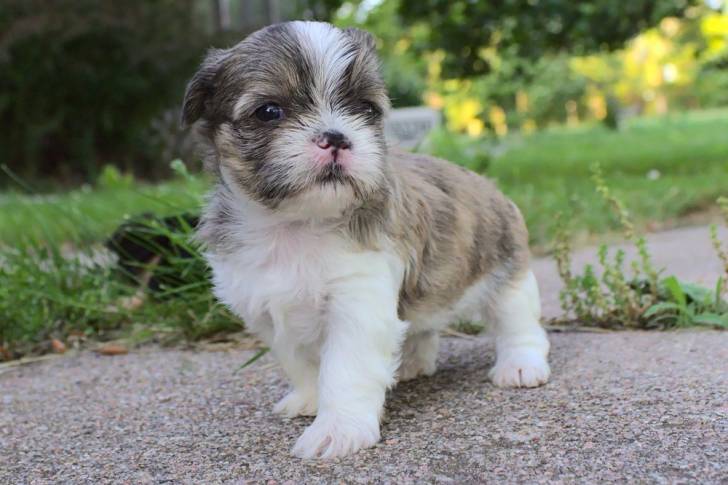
(452, 227)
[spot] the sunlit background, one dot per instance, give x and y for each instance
(532, 93)
(89, 83)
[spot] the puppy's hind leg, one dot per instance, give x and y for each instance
(300, 367)
(302, 400)
(419, 355)
(521, 342)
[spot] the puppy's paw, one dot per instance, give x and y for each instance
(334, 436)
(412, 369)
(520, 367)
(297, 403)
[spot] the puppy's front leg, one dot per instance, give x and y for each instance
(359, 358)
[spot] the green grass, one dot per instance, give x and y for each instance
(548, 172)
(88, 215)
(52, 287)
(44, 295)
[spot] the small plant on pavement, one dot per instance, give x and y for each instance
(607, 296)
(717, 244)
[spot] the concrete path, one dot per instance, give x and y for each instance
(628, 406)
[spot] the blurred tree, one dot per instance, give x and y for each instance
(82, 79)
(675, 64)
(711, 85)
(245, 16)
(529, 29)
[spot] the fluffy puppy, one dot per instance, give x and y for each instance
(345, 258)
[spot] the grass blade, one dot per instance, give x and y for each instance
(252, 360)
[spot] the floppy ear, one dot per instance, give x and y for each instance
(201, 87)
(363, 39)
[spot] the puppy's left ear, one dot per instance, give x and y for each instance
(201, 87)
(363, 39)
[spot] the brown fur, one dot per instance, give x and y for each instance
(452, 227)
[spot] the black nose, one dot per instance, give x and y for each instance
(334, 139)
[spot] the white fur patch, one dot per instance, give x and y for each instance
(329, 51)
(514, 314)
(328, 312)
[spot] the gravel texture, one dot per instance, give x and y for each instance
(621, 407)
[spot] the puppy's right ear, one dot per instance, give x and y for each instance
(201, 87)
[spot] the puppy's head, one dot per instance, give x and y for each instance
(293, 114)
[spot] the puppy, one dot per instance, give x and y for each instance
(345, 258)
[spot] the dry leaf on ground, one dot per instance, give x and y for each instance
(112, 349)
(5, 354)
(58, 346)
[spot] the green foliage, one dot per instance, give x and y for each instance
(49, 290)
(42, 292)
(260, 353)
(82, 81)
(611, 120)
(46, 294)
(529, 29)
(686, 304)
(111, 178)
(642, 300)
(89, 214)
(549, 84)
(711, 87)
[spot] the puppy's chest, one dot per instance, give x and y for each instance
(283, 274)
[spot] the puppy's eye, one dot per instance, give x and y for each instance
(269, 112)
(370, 109)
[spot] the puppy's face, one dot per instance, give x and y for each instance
(294, 115)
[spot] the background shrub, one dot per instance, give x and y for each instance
(83, 79)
